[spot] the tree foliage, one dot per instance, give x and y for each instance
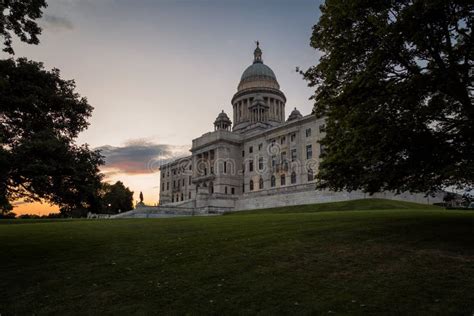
(116, 197)
(40, 117)
(18, 17)
(395, 84)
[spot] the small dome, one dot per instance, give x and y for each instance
(222, 121)
(222, 117)
(295, 114)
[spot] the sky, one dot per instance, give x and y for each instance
(158, 72)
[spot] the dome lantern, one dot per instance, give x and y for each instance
(257, 54)
(295, 115)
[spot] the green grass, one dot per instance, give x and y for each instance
(353, 205)
(406, 260)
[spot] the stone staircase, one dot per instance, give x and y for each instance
(170, 211)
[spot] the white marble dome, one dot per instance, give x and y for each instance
(258, 75)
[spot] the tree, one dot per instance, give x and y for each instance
(116, 197)
(40, 117)
(19, 17)
(395, 84)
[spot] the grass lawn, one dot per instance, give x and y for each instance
(364, 257)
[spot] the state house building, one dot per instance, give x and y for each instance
(260, 158)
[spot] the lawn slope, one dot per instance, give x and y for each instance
(414, 261)
(352, 205)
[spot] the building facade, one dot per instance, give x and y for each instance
(261, 159)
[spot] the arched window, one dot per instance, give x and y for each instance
(251, 185)
(310, 175)
(293, 177)
(273, 181)
(260, 183)
(282, 180)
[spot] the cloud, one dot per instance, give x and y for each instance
(138, 157)
(57, 22)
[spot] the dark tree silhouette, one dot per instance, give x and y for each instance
(116, 197)
(395, 83)
(40, 117)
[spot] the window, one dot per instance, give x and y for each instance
(310, 175)
(283, 157)
(189, 180)
(260, 146)
(308, 132)
(292, 137)
(293, 177)
(283, 140)
(212, 170)
(243, 153)
(260, 183)
(225, 190)
(189, 195)
(273, 161)
(273, 181)
(309, 152)
(183, 182)
(225, 166)
(293, 155)
(174, 184)
(251, 185)
(322, 150)
(163, 175)
(182, 196)
(250, 149)
(250, 165)
(163, 187)
(282, 180)
(167, 185)
(172, 199)
(260, 163)
(232, 190)
(243, 188)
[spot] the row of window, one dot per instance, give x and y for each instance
(309, 155)
(282, 141)
(175, 171)
(310, 176)
(176, 184)
(178, 196)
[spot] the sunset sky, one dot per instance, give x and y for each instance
(158, 72)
